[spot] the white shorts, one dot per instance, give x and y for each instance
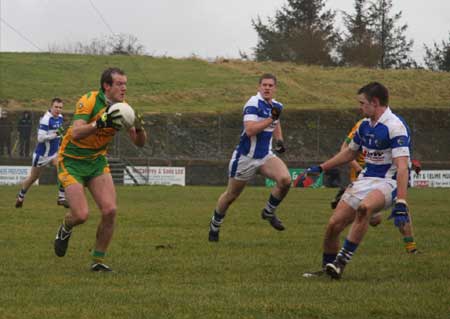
(244, 168)
(360, 188)
(41, 160)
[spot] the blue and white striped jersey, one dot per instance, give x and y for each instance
(387, 139)
(48, 141)
(257, 109)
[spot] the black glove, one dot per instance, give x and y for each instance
(113, 119)
(416, 166)
(139, 122)
(279, 147)
(60, 131)
(276, 112)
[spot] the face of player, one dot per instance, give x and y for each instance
(56, 109)
(367, 108)
(116, 92)
(267, 89)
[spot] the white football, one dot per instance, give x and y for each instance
(127, 113)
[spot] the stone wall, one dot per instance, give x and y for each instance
(203, 142)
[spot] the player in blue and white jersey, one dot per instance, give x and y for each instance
(254, 155)
(384, 140)
(49, 138)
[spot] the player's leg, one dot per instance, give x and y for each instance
(104, 194)
(275, 169)
(337, 198)
(372, 203)
(343, 215)
(77, 214)
(62, 201)
(26, 184)
(408, 236)
(70, 177)
(234, 189)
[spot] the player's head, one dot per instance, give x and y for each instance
(267, 86)
(371, 97)
(56, 106)
(114, 84)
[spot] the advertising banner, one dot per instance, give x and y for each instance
(156, 175)
(11, 175)
(298, 180)
(431, 178)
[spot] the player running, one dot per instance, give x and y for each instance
(49, 137)
(254, 154)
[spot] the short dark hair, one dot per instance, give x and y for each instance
(375, 89)
(107, 76)
(56, 99)
(268, 76)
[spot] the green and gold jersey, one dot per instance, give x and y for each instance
(360, 158)
(89, 108)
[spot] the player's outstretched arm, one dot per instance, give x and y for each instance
(344, 156)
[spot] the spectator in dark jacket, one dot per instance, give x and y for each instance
(5, 133)
(24, 127)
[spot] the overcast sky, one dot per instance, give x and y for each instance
(180, 28)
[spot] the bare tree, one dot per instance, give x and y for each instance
(121, 43)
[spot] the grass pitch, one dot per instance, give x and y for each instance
(165, 267)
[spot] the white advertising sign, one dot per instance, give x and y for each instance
(11, 175)
(431, 178)
(156, 175)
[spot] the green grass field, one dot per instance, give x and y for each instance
(30, 80)
(165, 267)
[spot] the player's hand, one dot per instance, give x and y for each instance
(416, 166)
(276, 112)
(314, 170)
(139, 122)
(400, 213)
(60, 131)
(113, 119)
(279, 147)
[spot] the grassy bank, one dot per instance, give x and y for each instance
(30, 80)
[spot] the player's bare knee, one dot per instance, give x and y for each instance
(80, 217)
(284, 182)
(363, 212)
(335, 227)
(231, 196)
(375, 220)
(109, 213)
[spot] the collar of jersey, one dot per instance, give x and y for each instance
(383, 116)
(102, 96)
(262, 99)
